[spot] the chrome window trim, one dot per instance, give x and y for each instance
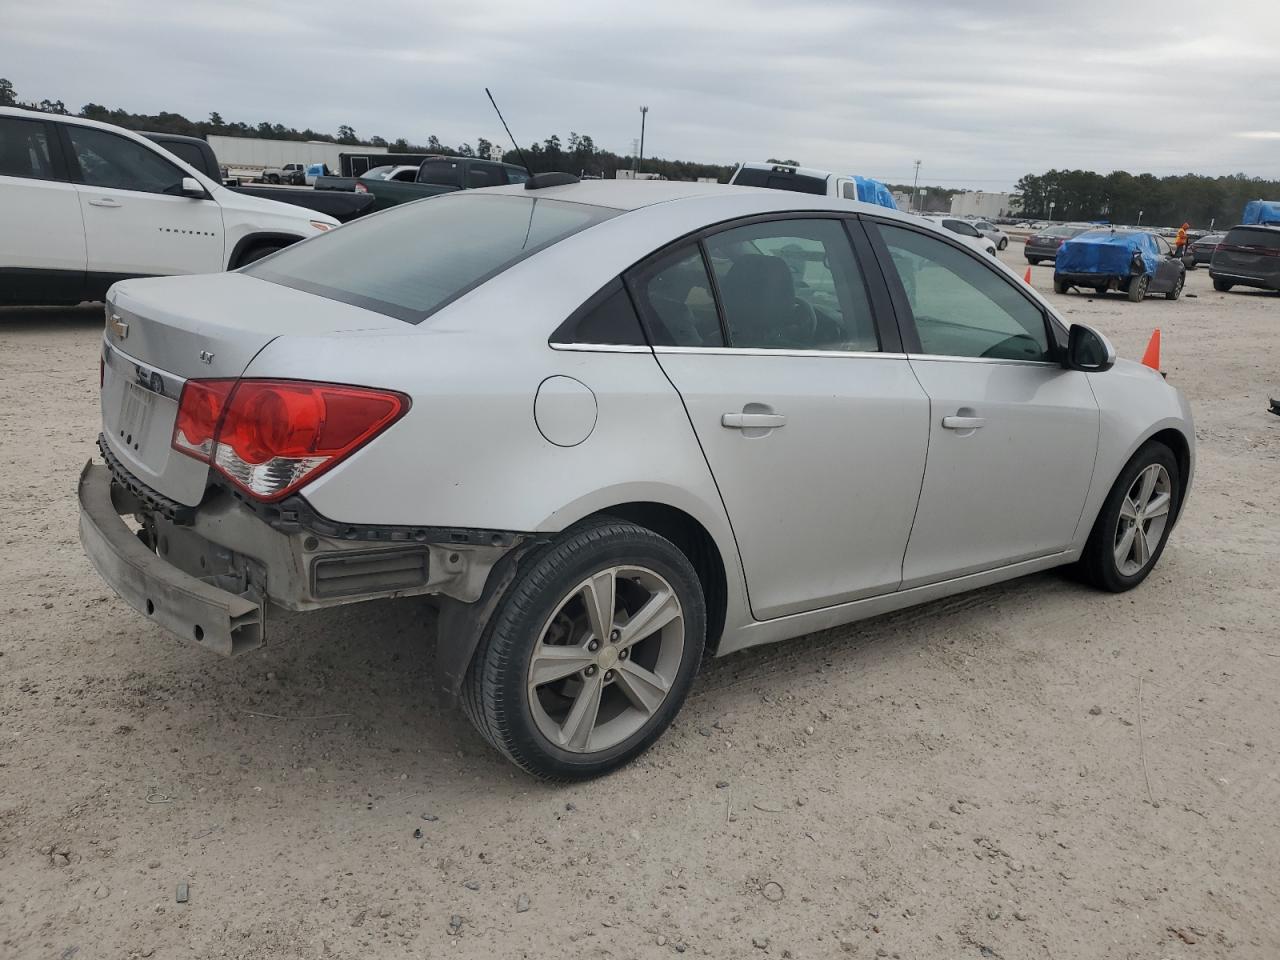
(1000, 360)
(602, 347)
(765, 352)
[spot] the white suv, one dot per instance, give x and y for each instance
(86, 204)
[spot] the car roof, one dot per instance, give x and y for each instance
(634, 194)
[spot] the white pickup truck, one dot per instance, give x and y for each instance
(84, 204)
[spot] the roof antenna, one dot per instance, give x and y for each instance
(508, 129)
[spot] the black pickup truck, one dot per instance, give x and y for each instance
(198, 153)
(438, 175)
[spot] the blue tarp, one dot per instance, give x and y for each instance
(1260, 211)
(1107, 252)
(873, 191)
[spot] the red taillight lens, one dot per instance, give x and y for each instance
(361, 188)
(269, 437)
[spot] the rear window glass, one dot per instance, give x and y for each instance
(412, 260)
(781, 180)
(1245, 236)
(1063, 231)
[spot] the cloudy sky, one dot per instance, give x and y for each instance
(981, 91)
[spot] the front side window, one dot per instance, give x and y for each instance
(483, 175)
(963, 307)
(24, 149)
(115, 162)
(792, 285)
(412, 260)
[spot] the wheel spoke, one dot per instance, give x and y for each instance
(575, 733)
(552, 663)
(1124, 547)
(1141, 551)
(644, 688)
(1148, 484)
(1158, 506)
(659, 610)
(598, 595)
(1127, 510)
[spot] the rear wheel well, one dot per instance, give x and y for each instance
(693, 540)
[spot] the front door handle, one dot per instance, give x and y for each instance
(748, 421)
(104, 202)
(963, 423)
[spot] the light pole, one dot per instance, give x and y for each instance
(1140, 212)
(915, 183)
(1052, 204)
(644, 112)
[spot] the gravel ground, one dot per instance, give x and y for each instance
(1031, 770)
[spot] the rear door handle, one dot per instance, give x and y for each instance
(745, 421)
(104, 202)
(963, 423)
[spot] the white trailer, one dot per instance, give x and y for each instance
(251, 155)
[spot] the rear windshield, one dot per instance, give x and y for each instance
(412, 260)
(1063, 231)
(781, 180)
(1254, 237)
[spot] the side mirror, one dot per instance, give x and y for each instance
(1088, 350)
(191, 188)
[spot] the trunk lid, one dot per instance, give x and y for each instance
(162, 332)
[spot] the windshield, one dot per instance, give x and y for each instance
(414, 259)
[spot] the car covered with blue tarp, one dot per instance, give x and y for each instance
(1133, 261)
(873, 191)
(1262, 211)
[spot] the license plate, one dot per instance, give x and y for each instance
(135, 415)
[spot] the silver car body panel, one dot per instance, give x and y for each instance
(469, 453)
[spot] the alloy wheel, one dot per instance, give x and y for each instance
(1144, 515)
(606, 659)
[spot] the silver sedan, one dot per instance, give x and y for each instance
(611, 428)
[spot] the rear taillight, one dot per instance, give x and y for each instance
(269, 437)
(360, 188)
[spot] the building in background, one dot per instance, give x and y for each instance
(985, 206)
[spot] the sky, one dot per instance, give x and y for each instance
(979, 91)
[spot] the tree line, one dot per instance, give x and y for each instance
(1119, 197)
(1126, 198)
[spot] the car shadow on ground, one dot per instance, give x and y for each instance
(42, 319)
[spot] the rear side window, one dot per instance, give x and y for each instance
(443, 173)
(412, 260)
(609, 317)
(675, 293)
(108, 160)
(483, 175)
(24, 149)
(781, 179)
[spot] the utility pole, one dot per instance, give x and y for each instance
(644, 112)
(914, 184)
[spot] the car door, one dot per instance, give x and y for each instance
(1012, 434)
(1169, 268)
(136, 221)
(809, 416)
(42, 249)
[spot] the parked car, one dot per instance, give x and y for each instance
(781, 176)
(1203, 247)
(1249, 256)
(1133, 261)
(437, 175)
(86, 204)
(199, 154)
(1043, 245)
(644, 463)
(967, 230)
(992, 233)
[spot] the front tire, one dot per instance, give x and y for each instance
(1034, 261)
(1176, 292)
(258, 252)
(1060, 286)
(591, 652)
(1135, 521)
(1004, 242)
(1222, 286)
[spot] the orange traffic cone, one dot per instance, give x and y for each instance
(1152, 356)
(1027, 278)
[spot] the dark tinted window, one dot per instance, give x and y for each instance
(679, 306)
(961, 305)
(792, 285)
(444, 173)
(108, 160)
(960, 227)
(188, 152)
(781, 179)
(412, 260)
(1252, 237)
(484, 175)
(608, 317)
(516, 176)
(24, 149)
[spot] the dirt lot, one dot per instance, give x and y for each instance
(969, 779)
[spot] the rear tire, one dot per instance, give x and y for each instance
(1100, 291)
(1034, 261)
(1138, 288)
(1222, 286)
(1004, 242)
(1101, 563)
(545, 627)
(1060, 286)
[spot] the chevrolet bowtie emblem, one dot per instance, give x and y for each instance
(206, 356)
(119, 327)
